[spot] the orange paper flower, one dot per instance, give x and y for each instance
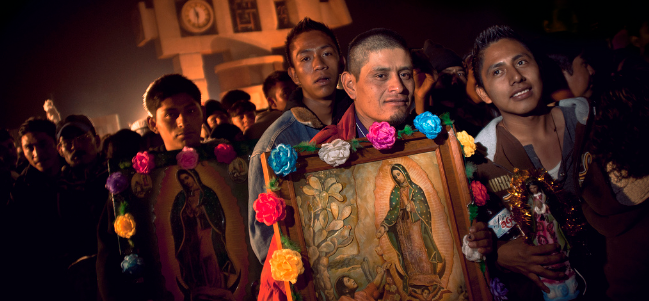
(468, 144)
(286, 265)
(125, 225)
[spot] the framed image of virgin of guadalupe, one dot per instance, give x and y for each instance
(385, 225)
(188, 210)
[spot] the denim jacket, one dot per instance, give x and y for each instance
(294, 126)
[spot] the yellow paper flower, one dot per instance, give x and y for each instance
(468, 143)
(125, 225)
(286, 265)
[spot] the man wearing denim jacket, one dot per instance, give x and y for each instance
(315, 64)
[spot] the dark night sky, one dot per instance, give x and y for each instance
(83, 52)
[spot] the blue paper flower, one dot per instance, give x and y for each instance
(282, 159)
(132, 264)
(428, 124)
(498, 289)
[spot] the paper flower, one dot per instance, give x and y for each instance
(286, 265)
(224, 153)
(471, 254)
(498, 289)
(187, 158)
(282, 159)
(143, 162)
(335, 153)
(468, 144)
(125, 225)
(116, 182)
(132, 264)
(479, 192)
(382, 135)
(269, 208)
(428, 124)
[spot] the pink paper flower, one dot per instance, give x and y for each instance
(480, 195)
(382, 135)
(143, 162)
(187, 158)
(224, 153)
(269, 208)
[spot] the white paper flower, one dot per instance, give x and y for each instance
(471, 254)
(335, 153)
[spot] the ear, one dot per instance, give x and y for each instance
(271, 102)
(152, 125)
(349, 84)
(60, 149)
(483, 94)
(590, 69)
(635, 41)
(291, 73)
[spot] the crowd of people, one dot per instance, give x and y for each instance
(573, 107)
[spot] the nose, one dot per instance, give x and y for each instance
(180, 121)
(516, 76)
(319, 63)
(396, 85)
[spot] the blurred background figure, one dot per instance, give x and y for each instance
(278, 86)
(242, 114)
(233, 96)
(228, 132)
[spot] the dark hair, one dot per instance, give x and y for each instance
(621, 124)
(233, 96)
(370, 41)
(5, 135)
(226, 131)
(273, 79)
(122, 145)
(38, 125)
(306, 25)
(167, 86)
(563, 50)
(211, 106)
(485, 39)
(342, 289)
(241, 107)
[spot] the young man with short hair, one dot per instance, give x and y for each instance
(242, 114)
(173, 104)
(315, 62)
(35, 197)
(278, 86)
(528, 135)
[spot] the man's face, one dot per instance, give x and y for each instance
(316, 63)
(178, 121)
(216, 119)
(40, 150)
(450, 85)
(384, 88)
(511, 78)
(579, 81)
(78, 148)
(8, 152)
(280, 94)
(243, 122)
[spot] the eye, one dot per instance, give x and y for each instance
(497, 72)
(305, 59)
(406, 75)
(521, 62)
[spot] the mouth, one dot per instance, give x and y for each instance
(522, 93)
(185, 134)
(322, 80)
(397, 102)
